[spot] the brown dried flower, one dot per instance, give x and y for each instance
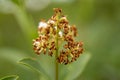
(52, 33)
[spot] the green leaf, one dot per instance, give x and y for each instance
(11, 77)
(17, 2)
(72, 71)
(34, 65)
(48, 63)
(12, 55)
(45, 66)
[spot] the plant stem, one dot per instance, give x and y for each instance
(56, 70)
(57, 49)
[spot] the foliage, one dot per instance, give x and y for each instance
(12, 77)
(66, 71)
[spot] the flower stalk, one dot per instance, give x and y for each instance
(57, 48)
(56, 63)
(52, 33)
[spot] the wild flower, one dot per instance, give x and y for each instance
(52, 33)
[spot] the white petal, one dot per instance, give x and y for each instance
(55, 27)
(60, 33)
(37, 43)
(42, 24)
(51, 21)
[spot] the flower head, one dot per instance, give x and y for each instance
(52, 33)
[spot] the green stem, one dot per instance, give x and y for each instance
(56, 68)
(57, 49)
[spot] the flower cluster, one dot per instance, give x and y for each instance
(52, 33)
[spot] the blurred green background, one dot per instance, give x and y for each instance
(98, 23)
